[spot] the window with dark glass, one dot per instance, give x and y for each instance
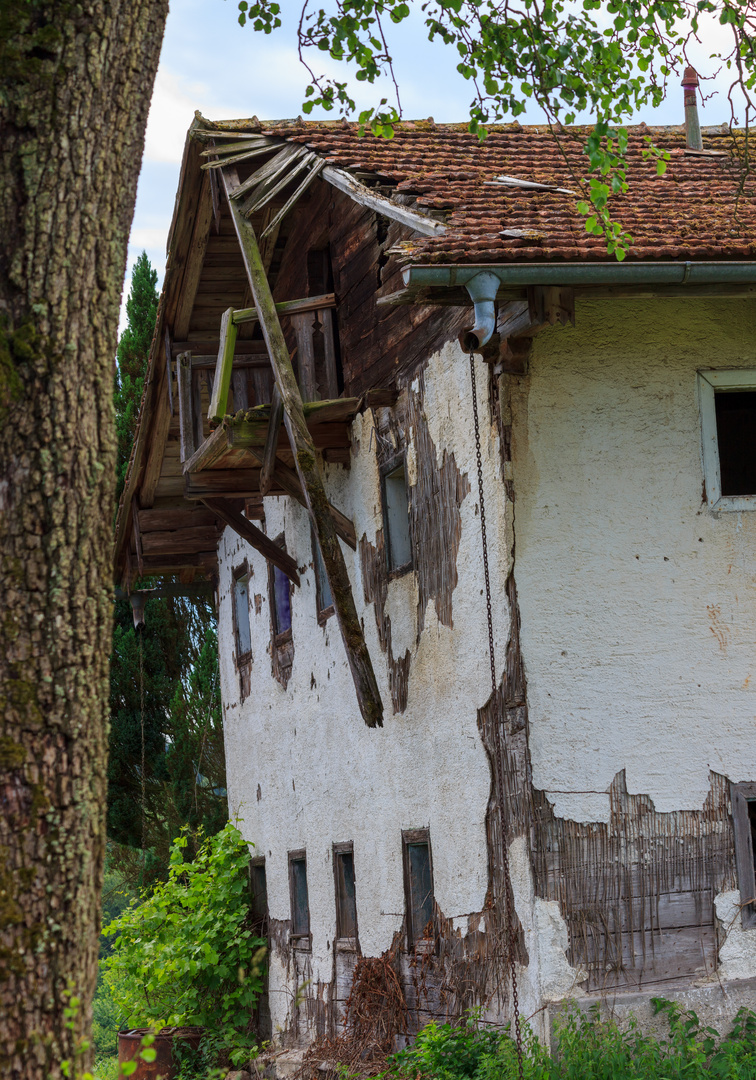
(396, 526)
(346, 899)
(743, 801)
(241, 613)
(300, 903)
(418, 885)
(736, 440)
(280, 600)
(258, 889)
(324, 599)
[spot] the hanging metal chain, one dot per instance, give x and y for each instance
(508, 895)
(140, 635)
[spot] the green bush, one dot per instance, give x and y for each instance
(586, 1048)
(188, 954)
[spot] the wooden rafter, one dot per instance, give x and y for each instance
(305, 457)
(254, 536)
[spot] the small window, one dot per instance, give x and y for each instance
(258, 888)
(300, 903)
(346, 900)
(743, 797)
(323, 595)
(728, 418)
(241, 614)
(418, 885)
(396, 525)
(280, 600)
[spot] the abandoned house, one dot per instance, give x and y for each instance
(397, 390)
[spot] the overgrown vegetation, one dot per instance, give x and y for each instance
(188, 953)
(586, 1047)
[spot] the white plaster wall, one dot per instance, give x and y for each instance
(322, 775)
(638, 603)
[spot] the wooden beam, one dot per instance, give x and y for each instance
(344, 181)
(289, 307)
(152, 469)
(271, 443)
(286, 478)
(179, 541)
(217, 483)
(195, 260)
(255, 537)
(222, 381)
(305, 456)
(208, 451)
(208, 346)
(168, 372)
(274, 225)
(186, 420)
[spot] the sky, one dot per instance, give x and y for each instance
(209, 62)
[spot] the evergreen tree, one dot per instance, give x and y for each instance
(132, 358)
(180, 718)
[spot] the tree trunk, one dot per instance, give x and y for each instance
(75, 86)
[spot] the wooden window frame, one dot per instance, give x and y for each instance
(409, 837)
(302, 942)
(260, 917)
(386, 469)
(740, 796)
(344, 944)
(323, 613)
(708, 383)
(237, 574)
(285, 636)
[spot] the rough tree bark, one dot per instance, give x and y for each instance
(75, 85)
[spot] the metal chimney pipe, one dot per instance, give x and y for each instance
(693, 139)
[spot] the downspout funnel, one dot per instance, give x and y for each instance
(482, 289)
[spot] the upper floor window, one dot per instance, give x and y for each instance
(324, 599)
(396, 525)
(241, 614)
(728, 420)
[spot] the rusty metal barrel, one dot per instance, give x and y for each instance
(163, 1067)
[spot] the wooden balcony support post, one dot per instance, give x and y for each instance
(222, 381)
(305, 457)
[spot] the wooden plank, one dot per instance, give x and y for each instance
(194, 260)
(168, 372)
(345, 182)
(302, 324)
(289, 307)
(332, 378)
(265, 174)
(154, 464)
(305, 456)
(244, 155)
(164, 520)
(186, 415)
(199, 427)
(255, 537)
(137, 536)
(293, 200)
(229, 483)
(268, 191)
(179, 541)
(271, 443)
(239, 387)
(213, 447)
(222, 381)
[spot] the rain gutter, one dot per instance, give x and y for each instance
(483, 280)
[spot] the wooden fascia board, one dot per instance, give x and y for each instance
(405, 215)
(195, 259)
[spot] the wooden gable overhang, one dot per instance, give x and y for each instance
(225, 418)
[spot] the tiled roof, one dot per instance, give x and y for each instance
(691, 212)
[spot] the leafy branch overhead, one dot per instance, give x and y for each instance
(604, 60)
